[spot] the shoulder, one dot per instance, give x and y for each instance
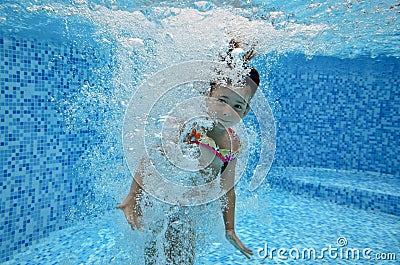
(233, 134)
(236, 143)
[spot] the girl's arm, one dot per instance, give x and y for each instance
(229, 201)
(136, 186)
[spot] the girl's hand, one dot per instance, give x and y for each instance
(132, 214)
(235, 241)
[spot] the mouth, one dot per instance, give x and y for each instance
(223, 121)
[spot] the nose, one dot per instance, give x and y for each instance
(227, 111)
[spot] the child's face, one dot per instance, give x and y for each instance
(228, 106)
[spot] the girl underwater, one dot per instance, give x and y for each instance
(172, 237)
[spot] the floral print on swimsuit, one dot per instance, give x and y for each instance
(199, 136)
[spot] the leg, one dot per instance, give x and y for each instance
(179, 246)
(152, 242)
(150, 252)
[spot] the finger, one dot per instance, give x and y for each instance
(139, 212)
(131, 222)
(245, 249)
(248, 250)
(246, 254)
(136, 221)
(236, 242)
(236, 245)
(239, 246)
(232, 241)
(134, 225)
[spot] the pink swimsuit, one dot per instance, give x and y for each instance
(202, 139)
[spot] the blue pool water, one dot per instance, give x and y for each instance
(283, 220)
(329, 71)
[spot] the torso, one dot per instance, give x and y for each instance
(215, 153)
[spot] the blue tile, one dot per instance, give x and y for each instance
(28, 117)
(337, 113)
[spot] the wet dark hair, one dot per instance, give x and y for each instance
(233, 44)
(253, 74)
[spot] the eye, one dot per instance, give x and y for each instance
(222, 100)
(240, 107)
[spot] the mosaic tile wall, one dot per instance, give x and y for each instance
(37, 154)
(337, 113)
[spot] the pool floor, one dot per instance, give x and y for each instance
(296, 224)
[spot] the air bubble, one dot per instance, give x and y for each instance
(203, 6)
